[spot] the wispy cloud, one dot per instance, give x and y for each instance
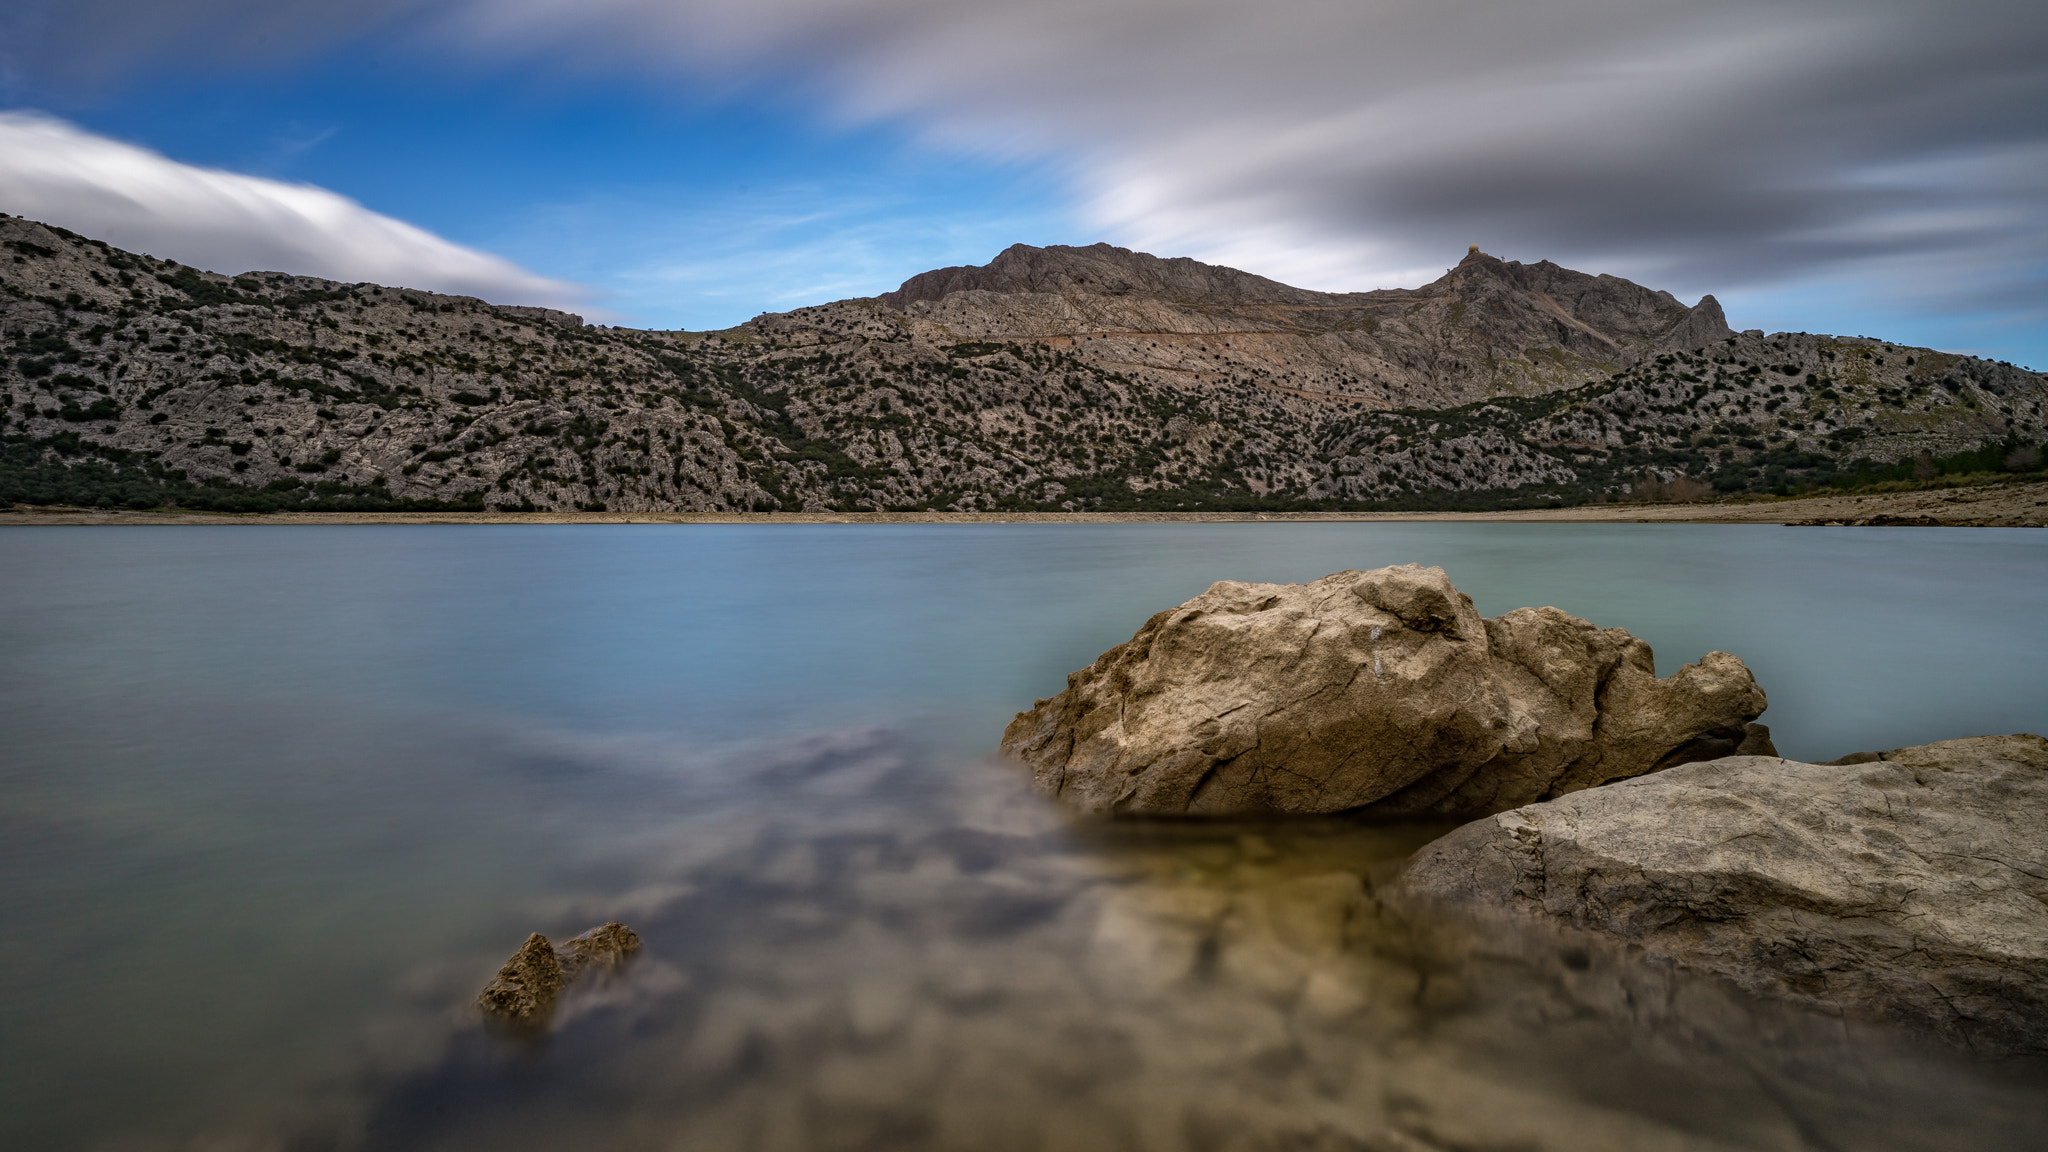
(723, 259)
(1716, 145)
(229, 222)
(1707, 145)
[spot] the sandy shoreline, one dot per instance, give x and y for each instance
(2016, 505)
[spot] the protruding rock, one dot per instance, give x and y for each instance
(524, 992)
(1705, 324)
(607, 946)
(1381, 690)
(525, 989)
(1909, 885)
(1756, 741)
(1099, 270)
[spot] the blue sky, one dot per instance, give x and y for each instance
(675, 209)
(1872, 167)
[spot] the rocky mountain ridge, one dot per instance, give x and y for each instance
(1019, 385)
(1486, 327)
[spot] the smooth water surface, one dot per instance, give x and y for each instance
(275, 801)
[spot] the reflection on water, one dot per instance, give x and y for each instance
(274, 804)
(908, 956)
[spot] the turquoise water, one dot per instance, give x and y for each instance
(275, 801)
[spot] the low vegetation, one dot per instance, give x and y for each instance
(133, 382)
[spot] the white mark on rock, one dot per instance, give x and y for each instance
(1375, 665)
(1519, 826)
(1376, 630)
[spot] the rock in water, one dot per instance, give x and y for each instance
(1381, 690)
(608, 946)
(1911, 886)
(524, 992)
(525, 989)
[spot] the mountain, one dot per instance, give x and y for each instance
(1485, 328)
(1050, 378)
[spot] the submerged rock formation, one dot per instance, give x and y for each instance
(525, 989)
(607, 946)
(1381, 690)
(524, 992)
(1910, 885)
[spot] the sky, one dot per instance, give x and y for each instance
(1849, 166)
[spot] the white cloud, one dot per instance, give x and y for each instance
(1352, 143)
(137, 199)
(1714, 145)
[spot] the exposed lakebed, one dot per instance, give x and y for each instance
(277, 801)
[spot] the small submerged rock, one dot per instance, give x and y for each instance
(607, 946)
(524, 992)
(1383, 691)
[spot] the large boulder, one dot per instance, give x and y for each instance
(1910, 886)
(1382, 690)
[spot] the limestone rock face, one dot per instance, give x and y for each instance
(1100, 270)
(524, 992)
(1471, 334)
(1381, 690)
(1909, 885)
(1049, 379)
(1705, 324)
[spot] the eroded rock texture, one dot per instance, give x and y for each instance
(526, 988)
(1381, 690)
(1910, 886)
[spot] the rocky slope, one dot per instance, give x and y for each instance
(1054, 379)
(1909, 885)
(1486, 327)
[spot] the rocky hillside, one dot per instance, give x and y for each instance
(1054, 378)
(1486, 328)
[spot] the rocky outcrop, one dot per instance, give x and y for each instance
(1909, 885)
(524, 992)
(1100, 270)
(605, 947)
(1487, 326)
(526, 987)
(1383, 691)
(1704, 324)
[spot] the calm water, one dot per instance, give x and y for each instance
(274, 802)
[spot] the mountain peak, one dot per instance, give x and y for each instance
(1098, 270)
(1484, 327)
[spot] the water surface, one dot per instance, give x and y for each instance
(275, 801)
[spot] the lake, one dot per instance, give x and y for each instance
(276, 801)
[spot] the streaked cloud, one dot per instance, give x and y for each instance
(1719, 145)
(1707, 146)
(134, 198)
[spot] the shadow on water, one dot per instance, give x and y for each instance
(913, 954)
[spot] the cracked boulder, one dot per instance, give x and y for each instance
(1909, 886)
(1383, 691)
